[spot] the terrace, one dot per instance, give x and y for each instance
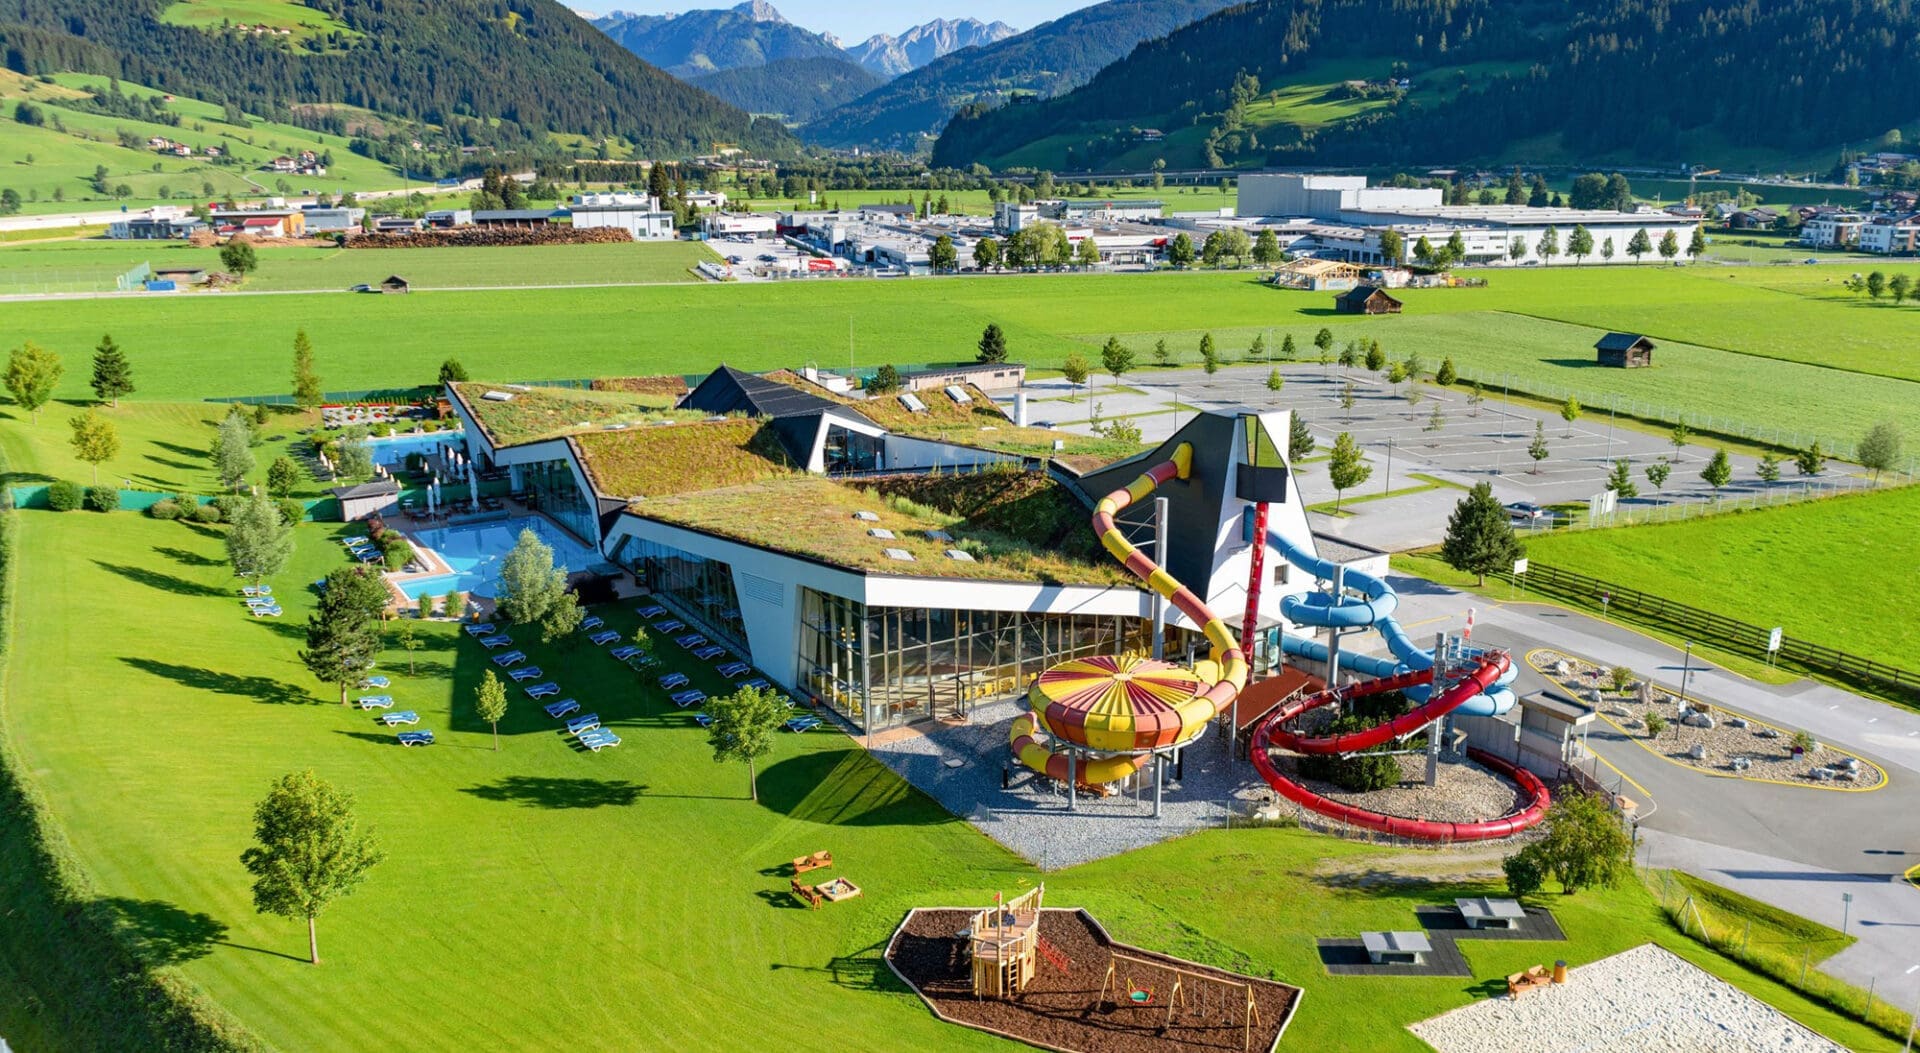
(815, 518)
(533, 414)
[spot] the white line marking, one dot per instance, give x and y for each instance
(1873, 720)
(1831, 708)
(1911, 969)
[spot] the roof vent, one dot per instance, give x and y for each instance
(498, 396)
(881, 532)
(913, 403)
(614, 427)
(866, 517)
(958, 394)
(938, 535)
(960, 555)
(900, 554)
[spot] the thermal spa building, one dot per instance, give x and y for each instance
(897, 558)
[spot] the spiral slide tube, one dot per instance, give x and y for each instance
(1139, 711)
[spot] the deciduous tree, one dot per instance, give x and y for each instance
(259, 541)
(1812, 460)
(1570, 412)
(1639, 245)
(1879, 448)
(232, 452)
(452, 372)
(1116, 358)
(490, 703)
(1209, 357)
(1347, 467)
(1658, 471)
(32, 374)
(1075, 369)
(308, 851)
(530, 585)
(742, 729)
(95, 440)
(1537, 449)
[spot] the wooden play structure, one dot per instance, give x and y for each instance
(1003, 942)
(1236, 998)
(816, 861)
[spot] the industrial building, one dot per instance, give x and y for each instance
(637, 214)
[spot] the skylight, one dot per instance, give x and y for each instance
(913, 403)
(882, 533)
(900, 554)
(938, 535)
(498, 396)
(960, 555)
(958, 394)
(866, 517)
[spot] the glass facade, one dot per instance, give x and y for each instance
(695, 586)
(550, 488)
(884, 666)
(850, 451)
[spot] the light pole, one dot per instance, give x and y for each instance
(1686, 670)
(1389, 487)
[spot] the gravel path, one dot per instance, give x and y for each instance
(1644, 1000)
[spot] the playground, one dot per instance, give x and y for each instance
(1082, 992)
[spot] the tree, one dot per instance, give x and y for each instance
(1669, 245)
(1347, 467)
(1620, 480)
(283, 475)
(1584, 843)
(32, 374)
(1349, 354)
(1162, 354)
(1678, 438)
(885, 379)
(1549, 245)
(1395, 374)
(1525, 874)
(452, 372)
(986, 254)
(259, 541)
(942, 256)
(1346, 400)
(1087, 253)
(743, 727)
(1446, 374)
(1719, 471)
(1769, 468)
(1606, 249)
(530, 585)
(1655, 725)
(1180, 252)
(1517, 249)
(1435, 420)
(353, 457)
(1299, 439)
(993, 344)
(1811, 460)
(410, 641)
(1579, 243)
(1274, 380)
(1258, 349)
(239, 258)
(1423, 252)
(1538, 448)
(1323, 340)
(1075, 369)
(309, 850)
(1639, 245)
(1266, 249)
(341, 641)
(1876, 284)
(1116, 358)
(1879, 448)
(1901, 287)
(490, 703)
(112, 373)
(306, 383)
(1698, 243)
(1570, 412)
(1393, 246)
(562, 619)
(1288, 352)
(1480, 538)
(1657, 473)
(232, 452)
(1376, 359)
(95, 440)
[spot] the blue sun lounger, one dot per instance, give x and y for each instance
(732, 669)
(265, 612)
(709, 652)
(703, 720)
(374, 681)
(480, 629)
(559, 709)
(257, 590)
(604, 637)
(758, 683)
(416, 738)
(376, 701)
(591, 621)
(650, 611)
(509, 658)
(500, 640)
(624, 653)
(599, 740)
(405, 716)
(690, 640)
(525, 672)
(673, 680)
(671, 625)
(798, 724)
(543, 690)
(689, 697)
(584, 722)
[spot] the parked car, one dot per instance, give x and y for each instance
(362, 287)
(1525, 511)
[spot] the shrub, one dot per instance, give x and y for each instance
(63, 496)
(1526, 872)
(456, 604)
(165, 508)
(398, 553)
(205, 514)
(291, 511)
(228, 504)
(101, 499)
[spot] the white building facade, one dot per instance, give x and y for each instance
(637, 214)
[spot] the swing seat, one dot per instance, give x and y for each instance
(1140, 996)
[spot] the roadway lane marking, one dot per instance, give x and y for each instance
(1912, 968)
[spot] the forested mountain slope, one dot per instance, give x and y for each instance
(796, 89)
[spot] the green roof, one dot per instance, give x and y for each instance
(535, 414)
(658, 459)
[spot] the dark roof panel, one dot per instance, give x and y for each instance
(1620, 342)
(729, 390)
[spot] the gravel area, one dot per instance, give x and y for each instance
(1466, 791)
(1066, 1011)
(1031, 817)
(1735, 745)
(1644, 1000)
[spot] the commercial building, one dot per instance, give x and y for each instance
(637, 214)
(260, 223)
(333, 220)
(154, 228)
(737, 224)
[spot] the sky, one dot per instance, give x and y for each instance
(856, 20)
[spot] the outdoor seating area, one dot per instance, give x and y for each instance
(1532, 980)
(1396, 948)
(835, 890)
(1434, 949)
(816, 861)
(1479, 912)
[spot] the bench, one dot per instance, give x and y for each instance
(1520, 983)
(815, 861)
(810, 895)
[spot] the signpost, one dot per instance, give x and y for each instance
(1773, 643)
(1519, 570)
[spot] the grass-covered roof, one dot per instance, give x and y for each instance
(535, 414)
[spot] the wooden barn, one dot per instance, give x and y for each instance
(1366, 299)
(1625, 350)
(396, 284)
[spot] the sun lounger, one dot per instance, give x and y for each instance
(499, 640)
(416, 738)
(480, 629)
(559, 709)
(703, 720)
(591, 621)
(376, 701)
(691, 697)
(543, 690)
(802, 724)
(690, 640)
(257, 590)
(599, 740)
(732, 669)
(709, 652)
(584, 722)
(374, 681)
(405, 716)
(644, 660)
(624, 653)
(650, 611)
(759, 682)
(604, 637)
(673, 680)
(525, 672)
(510, 658)
(671, 625)
(260, 601)
(265, 612)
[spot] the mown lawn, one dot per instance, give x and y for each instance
(163, 445)
(541, 897)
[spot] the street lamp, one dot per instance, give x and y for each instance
(1686, 670)
(1389, 487)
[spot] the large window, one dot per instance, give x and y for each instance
(847, 450)
(696, 587)
(550, 488)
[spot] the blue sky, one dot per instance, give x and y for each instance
(856, 20)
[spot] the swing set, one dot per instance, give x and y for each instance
(1233, 996)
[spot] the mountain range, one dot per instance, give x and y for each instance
(798, 89)
(755, 33)
(890, 56)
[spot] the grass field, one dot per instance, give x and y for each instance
(540, 897)
(302, 20)
(163, 445)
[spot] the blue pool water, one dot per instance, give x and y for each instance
(475, 550)
(394, 449)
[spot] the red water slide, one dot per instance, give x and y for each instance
(1492, 665)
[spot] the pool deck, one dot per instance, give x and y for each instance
(436, 566)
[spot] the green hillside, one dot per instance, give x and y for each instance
(301, 22)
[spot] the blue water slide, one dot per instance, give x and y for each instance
(1373, 606)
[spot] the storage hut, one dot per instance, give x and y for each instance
(1625, 350)
(1366, 299)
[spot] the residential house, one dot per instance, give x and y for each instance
(1893, 235)
(1832, 230)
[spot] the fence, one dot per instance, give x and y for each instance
(35, 497)
(1717, 630)
(1772, 496)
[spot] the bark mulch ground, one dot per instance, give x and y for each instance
(1064, 1011)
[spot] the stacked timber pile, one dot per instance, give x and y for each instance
(489, 237)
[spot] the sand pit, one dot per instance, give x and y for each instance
(1644, 1000)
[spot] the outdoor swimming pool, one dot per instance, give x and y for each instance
(394, 449)
(475, 551)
